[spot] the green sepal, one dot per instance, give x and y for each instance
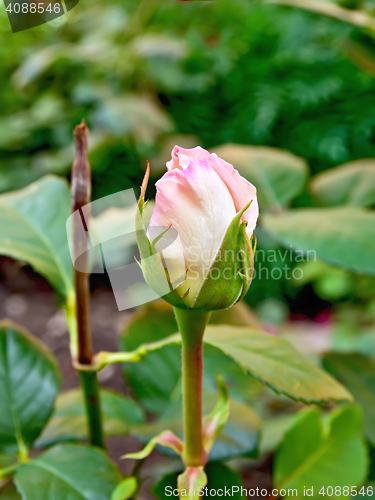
(232, 270)
(189, 481)
(215, 422)
(156, 276)
(248, 247)
(165, 438)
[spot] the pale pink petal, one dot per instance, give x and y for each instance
(195, 202)
(241, 190)
(181, 157)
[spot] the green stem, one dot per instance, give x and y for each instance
(81, 196)
(90, 387)
(102, 359)
(192, 325)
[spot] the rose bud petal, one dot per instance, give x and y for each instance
(201, 227)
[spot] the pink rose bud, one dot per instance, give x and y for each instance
(202, 225)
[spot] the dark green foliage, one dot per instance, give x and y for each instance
(68, 471)
(229, 71)
(29, 383)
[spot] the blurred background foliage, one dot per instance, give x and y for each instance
(146, 75)
(214, 72)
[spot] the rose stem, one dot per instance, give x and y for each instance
(191, 325)
(81, 196)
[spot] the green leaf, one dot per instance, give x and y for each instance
(278, 175)
(238, 438)
(275, 362)
(165, 486)
(29, 383)
(125, 489)
(341, 236)
(220, 476)
(133, 113)
(357, 373)
(349, 184)
(273, 430)
(310, 457)
(271, 360)
(68, 422)
(155, 322)
(68, 471)
(33, 230)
